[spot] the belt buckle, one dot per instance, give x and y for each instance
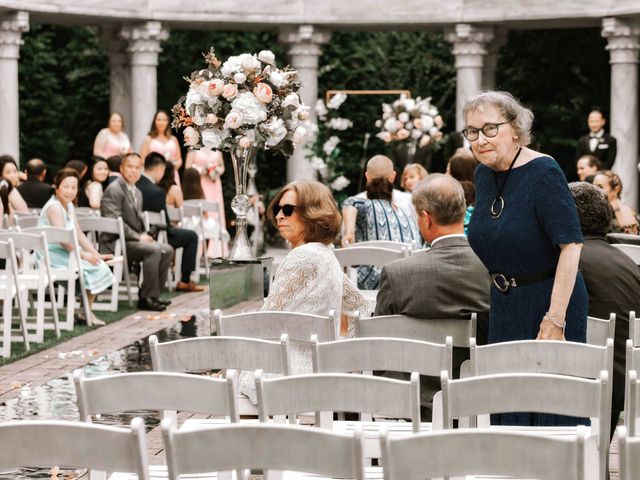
(503, 285)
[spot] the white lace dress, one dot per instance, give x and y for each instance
(309, 280)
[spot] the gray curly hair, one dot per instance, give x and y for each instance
(520, 118)
(594, 210)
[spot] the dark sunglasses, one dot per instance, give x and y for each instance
(287, 209)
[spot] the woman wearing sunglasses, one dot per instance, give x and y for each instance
(309, 279)
(526, 231)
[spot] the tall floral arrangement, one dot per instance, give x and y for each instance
(415, 121)
(325, 155)
(245, 102)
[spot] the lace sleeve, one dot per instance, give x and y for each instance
(295, 278)
(352, 301)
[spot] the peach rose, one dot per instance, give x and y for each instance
(424, 141)
(229, 91)
(211, 119)
(417, 123)
(263, 92)
(438, 121)
(233, 120)
(244, 142)
(402, 134)
(215, 87)
(191, 136)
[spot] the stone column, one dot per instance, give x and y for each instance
(469, 49)
(143, 46)
(12, 25)
(119, 75)
(304, 49)
(491, 59)
(623, 43)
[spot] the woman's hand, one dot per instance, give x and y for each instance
(106, 256)
(92, 258)
(549, 331)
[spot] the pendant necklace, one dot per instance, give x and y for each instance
(497, 206)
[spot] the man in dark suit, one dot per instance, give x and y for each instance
(34, 191)
(446, 281)
(612, 279)
(154, 199)
(598, 143)
(123, 199)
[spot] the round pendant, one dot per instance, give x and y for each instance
(497, 206)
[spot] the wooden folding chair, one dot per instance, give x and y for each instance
(10, 288)
(485, 452)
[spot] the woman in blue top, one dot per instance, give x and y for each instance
(525, 229)
(58, 212)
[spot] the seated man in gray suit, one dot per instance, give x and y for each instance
(123, 199)
(447, 281)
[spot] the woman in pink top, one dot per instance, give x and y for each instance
(112, 140)
(162, 141)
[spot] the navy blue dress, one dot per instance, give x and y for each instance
(539, 215)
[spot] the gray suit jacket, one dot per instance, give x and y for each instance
(446, 281)
(117, 201)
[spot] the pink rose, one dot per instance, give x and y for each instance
(424, 141)
(211, 119)
(233, 119)
(244, 142)
(399, 124)
(229, 91)
(263, 92)
(215, 87)
(191, 136)
(438, 121)
(402, 134)
(417, 123)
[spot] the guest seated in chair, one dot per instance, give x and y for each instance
(9, 173)
(611, 276)
(123, 199)
(448, 281)
(34, 190)
(154, 199)
(58, 212)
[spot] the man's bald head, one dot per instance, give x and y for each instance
(36, 168)
(380, 166)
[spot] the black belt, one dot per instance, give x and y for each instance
(503, 283)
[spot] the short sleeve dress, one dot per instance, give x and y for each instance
(539, 215)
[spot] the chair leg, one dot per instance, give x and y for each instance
(54, 307)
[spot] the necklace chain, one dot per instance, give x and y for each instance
(496, 212)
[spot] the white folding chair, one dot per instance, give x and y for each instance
(540, 393)
(25, 220)
(158, 220)
(201, 209)
(388, 244)
(266, 447)
(68, 275)
(632, 250)
(45, 443)
(10, 288)
(491, 454)
(204, 354)
(86, 212)
(599, 329)
(634, 329)
(629, 460)
(35, 275)
(94, 226)
(632, 402)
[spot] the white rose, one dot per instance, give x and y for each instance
(321, 109)
(340, 183)
(433, 131)
(198, 114)
(303, 115)
(244, 142)
(340, 124)
(291, 100)
(386, 108)
(427, 122)
(276, 78)
(231, 66)
(403, 117)
(267, 56)
(330, 145)
(390, 125)
(233, 119)
(416, 134)
(433, 111)
(191, 136)
(250, 108)
(384, 136)
(275, 130)
(211, 118)
(239, 78)
(250, 63)
(299, 135)
(337, 100)
(212, 138)
(193, 98)
(378, 123)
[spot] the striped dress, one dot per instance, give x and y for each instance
(97, 278)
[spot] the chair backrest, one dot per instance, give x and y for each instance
(28, 242)
(376, 256)
(483, 452)
(155, 391)
(44, 443)
(634, 328)
(632, 402)
(279, 447)
(599, 329)
(189, 210)
(213, 353)
(623, 238)
(207, 205)
(269, 325)
(392, 354)
(629, 447)
(154, 219)
(25, 220)
(632, 250)
(388, 244)
(54, 234)
(432, 330)
(175, 214)
(338, 392)
(87, 212)
(100, 224)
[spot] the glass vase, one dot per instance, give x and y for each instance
(241, 204)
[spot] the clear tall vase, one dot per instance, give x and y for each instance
(241, 204)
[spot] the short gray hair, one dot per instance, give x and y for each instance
(520, 118)
(594, 210)
(443, 197)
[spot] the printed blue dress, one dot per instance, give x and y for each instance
(539, 214)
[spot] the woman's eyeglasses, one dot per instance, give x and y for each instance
(489, 130)
(287, 209)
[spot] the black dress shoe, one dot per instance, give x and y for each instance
(151, 305)
(166, 303)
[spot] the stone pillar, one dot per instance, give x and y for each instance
(304, 49)
(143, 46)
(119, 75)
(623, 43)
(12, 25)
(491, 59)
(469, 49)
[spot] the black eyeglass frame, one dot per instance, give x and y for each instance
(468, 130)
(287, 209)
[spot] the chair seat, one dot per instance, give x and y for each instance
(114, 261)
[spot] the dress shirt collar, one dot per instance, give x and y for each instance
(598, 134)
(451, 235)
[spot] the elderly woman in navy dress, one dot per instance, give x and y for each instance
(526, 231)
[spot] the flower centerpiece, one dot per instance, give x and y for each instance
(415, 121)
(242, 105)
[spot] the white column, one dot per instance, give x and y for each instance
(143, 47)
(623, 43)
(491, 59)
(304, 49)
(12, 25)
(119, 75)
(469, 49)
